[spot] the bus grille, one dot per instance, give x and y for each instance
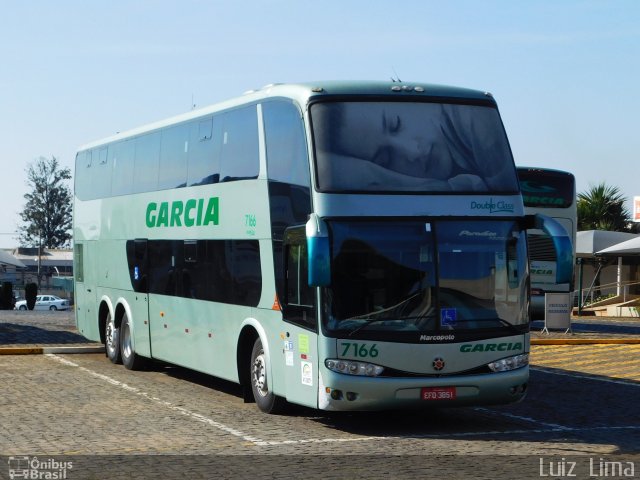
(541, 248)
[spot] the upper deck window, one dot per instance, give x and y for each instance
(411, 147)
(547, 188)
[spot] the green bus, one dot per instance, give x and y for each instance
(548, 192)
(338, 245)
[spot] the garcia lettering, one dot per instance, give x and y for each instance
(490, 347)
(194, 212)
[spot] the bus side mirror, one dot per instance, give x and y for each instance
(319, 255)
(561, 244)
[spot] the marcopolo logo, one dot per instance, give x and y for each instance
(490, 347)
(490, 206)
(194, 212)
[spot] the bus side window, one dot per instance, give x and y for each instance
(146, 163)
(203, 151)
(83, 175)
(101, 177)
(240, 158)
(174, 148)
(121, 156)
(288, 172)
(299, 302)
(286, 144)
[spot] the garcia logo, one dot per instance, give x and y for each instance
(490, 347)
(493, 207)
(193, 212)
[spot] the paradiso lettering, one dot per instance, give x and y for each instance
(193, 212)
(490, 347)
(493, 207)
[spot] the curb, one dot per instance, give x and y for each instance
(45, 350)
(585, 341)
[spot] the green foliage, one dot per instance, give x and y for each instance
(30, 293)
(598, 298)
(602, 208)
(47, 212)
(7, 302)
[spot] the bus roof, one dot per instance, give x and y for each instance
(302, 92)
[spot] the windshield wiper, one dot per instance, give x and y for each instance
(367, 322)
(511, 326)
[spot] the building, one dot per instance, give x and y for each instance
(52, 270)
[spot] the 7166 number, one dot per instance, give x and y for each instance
(359, 349)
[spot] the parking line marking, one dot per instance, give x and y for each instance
(553, 426)
(196, 416)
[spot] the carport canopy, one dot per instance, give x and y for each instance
(592, 242)
(629, 247)
(7, 259)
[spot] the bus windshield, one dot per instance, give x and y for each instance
(411, 147)
(546, 188)
(408, 276)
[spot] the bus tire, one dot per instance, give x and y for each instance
(112, 340)
(267, 401)
(130, 359)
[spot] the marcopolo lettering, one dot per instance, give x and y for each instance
(198, 212)
(490, 347)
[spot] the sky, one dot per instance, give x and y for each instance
(565, 74)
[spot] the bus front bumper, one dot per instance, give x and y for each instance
(340, 392)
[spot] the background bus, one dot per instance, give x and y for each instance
(344, 246)
(553, 193)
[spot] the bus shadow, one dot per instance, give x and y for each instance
(17, 334)
(192, 376)
(561, 407)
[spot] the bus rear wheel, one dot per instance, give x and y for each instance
(130, 359)
(267, 401)
(112, 340)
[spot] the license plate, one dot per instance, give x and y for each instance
(438, 393)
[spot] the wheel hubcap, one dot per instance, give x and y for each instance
(260, 375)
(109, 334)
(126, 341)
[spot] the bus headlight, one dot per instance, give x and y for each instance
(510, 363)
(351, 367)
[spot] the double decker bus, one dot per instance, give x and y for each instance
(552, 193)
(343, 246)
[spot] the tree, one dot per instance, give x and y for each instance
(47, 212)
(602, 208)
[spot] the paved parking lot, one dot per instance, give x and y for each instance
(581, 403)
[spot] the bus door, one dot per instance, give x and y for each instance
(85, 265)
(301, 324)
(139, 303)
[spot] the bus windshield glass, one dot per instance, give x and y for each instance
(411, 147)
(546, 188)
(408, 276)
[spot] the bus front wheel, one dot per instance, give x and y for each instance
(112, 340)
(266, 400)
